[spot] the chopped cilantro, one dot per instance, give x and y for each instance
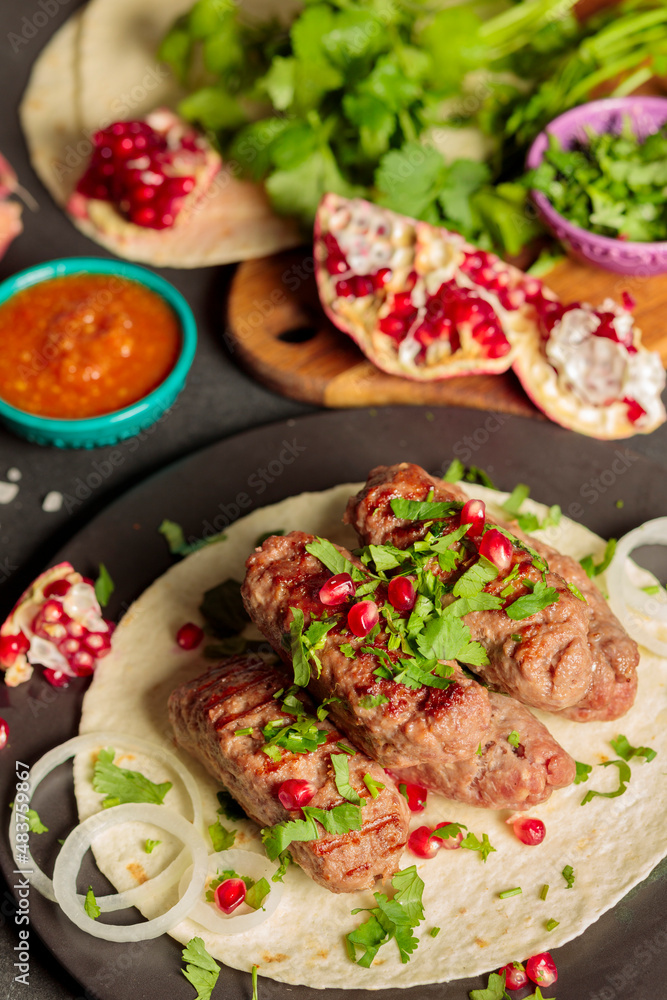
(221, 838)
(334, 560)
(243, 732)
(369, 701)
(652, 590)
(594, 569)
(568, 875)
(478, 751)
(104, 586)
(544, 891)
(514, 739)
(583, 770)
(514, 501)
(627, 752)
(624, 775)
(254, 982)
(454, 472)
(506, 893)
(340, 819)
(476, 475)
(304, 645)
(35, 824)
(434, 931)
(620, 504)
(423, 510)
(515, 637)
(495, 989)
(201, 970)
(475, 578)
(577, 593)
(373, 786)
(300, 736)
(346, 749)
(174, 537)
(341, 766)
(256, 892)
(150, 845)
(284, 860)
(390, 919)
(347, 649)
(119, 784)
(471, 842)
(90, 904)
(541, 597)
(552, 924)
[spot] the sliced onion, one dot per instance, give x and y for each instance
(81, 838)
(635, 608)
(244, 863)
(94, 741)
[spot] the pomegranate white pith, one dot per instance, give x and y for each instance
(148, 173)
(58, 624)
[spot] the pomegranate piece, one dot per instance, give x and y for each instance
(149, 170)
(10, 210)
(529, 830)
(402, 593)
(541, 969)
(4, 733)
(229, 894)
(473, 513)
(515, 976)
(363, 617)
(189, 636)
(296, 792)
(57, 623)
(422, 844)
(416, 795)
(337, 590)
(449, 843)
(495, 547)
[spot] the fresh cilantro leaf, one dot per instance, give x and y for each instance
(594, 569)
(341, 766)
(221, 838)
(476, 602)
(514, 739)
(537, 995)
(334, 560)
(298, 649)
(568, 875)
(90, 904)
(373, 786)
(229, 807)
(340, 819)
(514, 501)
(257, 893)
(541, 597)
(454, 472)
(387, 557)
(527, 522)
(423, 510)
(119, 784)
(390, 918)
(447, 638)
(104, 586)
(582, 773)
(35, 824)
(623, 748)
(200, 970)
(284, 861)
(624, 775)
(495, 989)
(347, 650)
(369, 701)
(150, 845)
(173, 534)
(471, 842)
(475, 578)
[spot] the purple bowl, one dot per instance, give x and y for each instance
(646, 114)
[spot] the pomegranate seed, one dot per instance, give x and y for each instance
(628, 300)
(337, 265)
(363, 285)
(189, 636)
(143, 216)
(296, 792)
(88, 581)
(52, 611)
(82, 663)
(515, 975)
(57, 588)
(449, 843)
(345, 289)
(402, 303)
(411, 280)
(4, 733)
(75, 629)
(498, 347)
(416, 795)
(143, 192)
(57, 678)
(495, 547)
(332, 245)
(393, 326)
(12, 646)
(229, 894)
(382, 278)
(542, 969)
(420, 843)
(337, 590)
(362, 617)
(529, 830)
(69, 646)
(98, 643)
(473, 513)
(635, 411)
(402, 593)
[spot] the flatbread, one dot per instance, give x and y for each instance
(100, 67)
(612, 844)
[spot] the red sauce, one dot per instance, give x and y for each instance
(84, 345)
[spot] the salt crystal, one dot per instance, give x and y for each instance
(52, 502)
(13, 475)
(8, 492)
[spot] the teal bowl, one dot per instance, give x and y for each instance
(108, 428)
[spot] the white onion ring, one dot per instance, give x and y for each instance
(633, 606)
(94, 741)
(81, 838)
(245, 863)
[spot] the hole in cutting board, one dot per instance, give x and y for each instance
(298, 335)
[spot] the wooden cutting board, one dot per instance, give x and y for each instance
(278, 332)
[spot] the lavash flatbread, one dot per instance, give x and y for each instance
(299, 945)
(101, 66)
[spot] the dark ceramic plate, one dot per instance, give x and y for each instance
(623, 954)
